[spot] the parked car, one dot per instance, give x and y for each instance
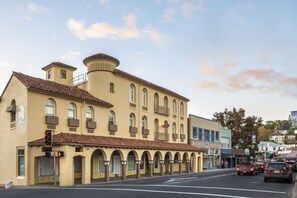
(260, 166)
(246, 168)
(278, 170)
(293, 165)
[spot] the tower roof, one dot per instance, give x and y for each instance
(101, 56)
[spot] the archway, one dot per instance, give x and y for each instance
(97, 165)
(144, 164)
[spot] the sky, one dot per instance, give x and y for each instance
(217, 53)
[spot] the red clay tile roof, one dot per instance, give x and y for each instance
(113, 142)
(60, 64)
(149, 84)
(101, 55)
(52, 88)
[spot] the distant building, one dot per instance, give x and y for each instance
(205, 134)
(226, 148)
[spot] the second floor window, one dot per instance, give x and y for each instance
(111, 118)
(72, 111)
(181, 129)
(144, 122)
(50, 107)
(132, 93)
(111, 87)
(174, 128)
(90, 114)
(132, 120)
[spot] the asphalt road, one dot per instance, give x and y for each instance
(223, 183)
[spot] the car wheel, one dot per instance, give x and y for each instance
(290, 180)
(265, 179)
(238, 173)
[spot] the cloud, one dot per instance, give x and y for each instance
(36, 8)
(6, 64)
(184, 8)
(71, 55)
(104, 2)
(261, 80)
(210, 69)
(104, 30)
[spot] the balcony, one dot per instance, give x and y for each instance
(52, 120)
(112, 127)
(90, 124)
(73, 122)
(161, 110)
(133, 129)
(174, 135)
(145, 131)
(162, 136)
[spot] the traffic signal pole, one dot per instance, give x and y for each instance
(54, 151)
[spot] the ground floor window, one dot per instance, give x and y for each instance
(131, 162)
(101, 164)
(46, 166)
(21, 162)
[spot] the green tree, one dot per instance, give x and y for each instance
(263, 134)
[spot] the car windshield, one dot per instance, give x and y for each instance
(276, 166)
(246, 163)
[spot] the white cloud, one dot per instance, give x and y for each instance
(6, 64)
(104, 2)
(36, 8)
(70, 55)
(104, 30)
(185, 8)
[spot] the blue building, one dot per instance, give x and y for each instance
(226, 148)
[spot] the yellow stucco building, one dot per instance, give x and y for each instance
(109, 124)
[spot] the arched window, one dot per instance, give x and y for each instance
(174, 107)
(156, 101)
(72, 111)
(144, 97)
(111, 118)
(144, 122)
(50, 107)
(181, 129)
(156, 125)
(165, 102)
(132, 120)
(173, 128)
(111, 87)
(90, 113)
(132, 93)
(181, 109)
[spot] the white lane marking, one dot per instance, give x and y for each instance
(201, 187)
(180, 179)
(193, 179)
(157, 191)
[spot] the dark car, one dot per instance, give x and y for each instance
(246, 168)
(260, 166)
(278, 170)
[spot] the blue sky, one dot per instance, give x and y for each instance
(218, 53)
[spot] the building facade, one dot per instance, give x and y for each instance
(228, 160)
(205, 134)
(107, 123)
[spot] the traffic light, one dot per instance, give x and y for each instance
(48, 138)
(47, 154)
(60, 154)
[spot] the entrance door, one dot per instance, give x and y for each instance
(117, 165)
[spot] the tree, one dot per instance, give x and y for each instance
(241, 128)
(263, 134)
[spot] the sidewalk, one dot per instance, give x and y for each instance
(294, 191)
